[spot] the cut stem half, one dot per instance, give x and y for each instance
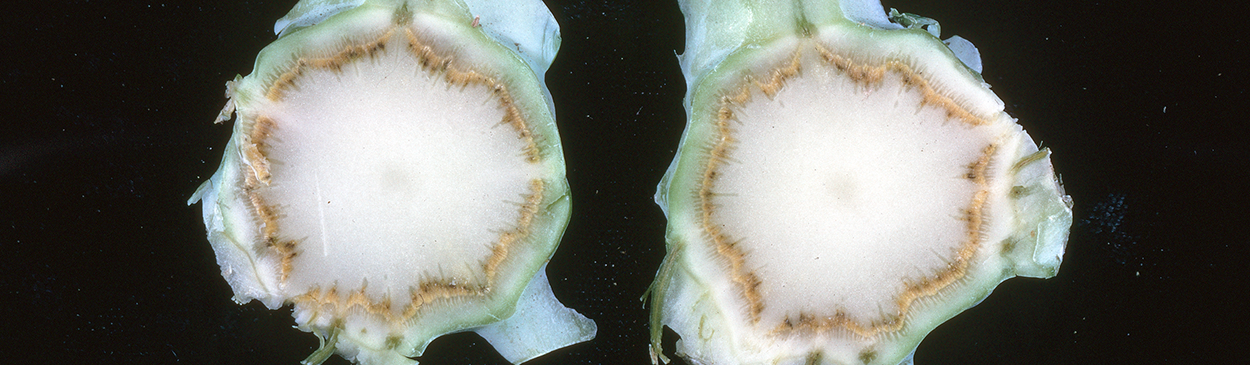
(843, 186)
(396, 174)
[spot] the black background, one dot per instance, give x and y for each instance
(106, 131)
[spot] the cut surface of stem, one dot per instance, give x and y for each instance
(843, 186)
(396, 174)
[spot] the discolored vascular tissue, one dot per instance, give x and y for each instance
(846, 182)
(395, 173)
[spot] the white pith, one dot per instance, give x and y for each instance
(852, 186)
(383, 165)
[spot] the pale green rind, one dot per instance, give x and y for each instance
(250, 276)
(518, 46)
(1044, 215)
